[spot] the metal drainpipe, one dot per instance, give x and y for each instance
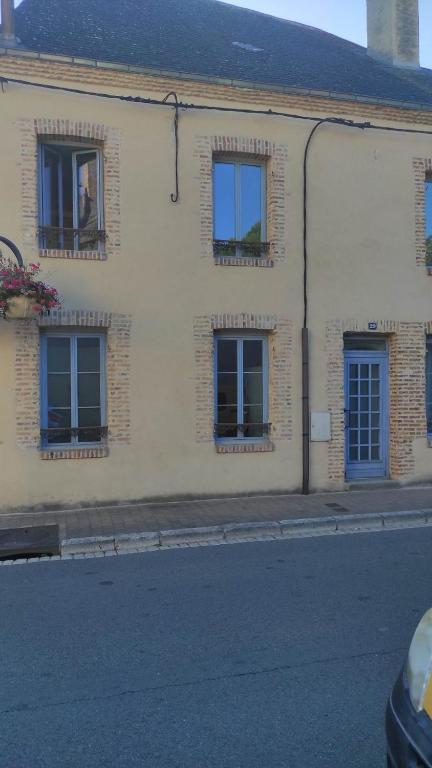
(305, 329)
(7, 21)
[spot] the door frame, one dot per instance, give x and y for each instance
(382, 357)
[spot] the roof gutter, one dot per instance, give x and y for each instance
(14, 52)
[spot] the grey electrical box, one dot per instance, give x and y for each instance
(320, 427)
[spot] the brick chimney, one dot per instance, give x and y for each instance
(393, 31)
(7, 29)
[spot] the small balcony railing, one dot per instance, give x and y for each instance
(240, 248)
(252, 430)
(71, 239)
(73, 435)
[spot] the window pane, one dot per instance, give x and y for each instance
(253, 417)
(250, 203)
(58, 354)
(227, 355)
(87, 202)
(227, 389)
(224, 201)
(59, 421)
(89, 417)
(227, 421)
(88, 353)
(428, 220)
(252, 355)
(88, 389)
(253, 388)
(59, 390)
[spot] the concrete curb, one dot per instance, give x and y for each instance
(243, 532)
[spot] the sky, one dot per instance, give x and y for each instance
(346, 18)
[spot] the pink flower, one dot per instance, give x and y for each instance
(37, 308)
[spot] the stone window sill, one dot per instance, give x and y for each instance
(263, 447)
(50, 454)
(56, 253)
(242, 261)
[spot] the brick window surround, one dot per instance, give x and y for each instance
(422, 168)
(27, 379)
(280, 333)
(33, 131)
(407, 410)
(275, 156)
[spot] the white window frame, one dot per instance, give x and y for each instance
(74, 443)
(81, 149)
(237, 193)
(240, 338)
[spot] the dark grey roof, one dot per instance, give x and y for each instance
(214, 39)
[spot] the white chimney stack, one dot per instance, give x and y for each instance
(7, 29)
(393, 31)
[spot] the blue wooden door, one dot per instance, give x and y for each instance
(366, 414)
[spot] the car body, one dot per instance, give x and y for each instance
(409, 709)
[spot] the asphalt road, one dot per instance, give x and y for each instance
(241, 656)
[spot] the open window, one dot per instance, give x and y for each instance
(71, 197)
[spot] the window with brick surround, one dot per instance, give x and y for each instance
(73, 390)
(239, 207)
(241, 387)
(70, 196)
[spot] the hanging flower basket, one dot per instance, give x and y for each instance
(22, 294)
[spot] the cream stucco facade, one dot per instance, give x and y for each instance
(160, 297)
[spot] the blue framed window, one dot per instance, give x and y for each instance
(73, 401)
(429, 384)
(239, 208)
(71, 212)
(241, 387)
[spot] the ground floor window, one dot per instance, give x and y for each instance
(241, 387)
(73, 408)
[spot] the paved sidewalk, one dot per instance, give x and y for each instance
(137, 518)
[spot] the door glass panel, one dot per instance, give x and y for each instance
(364, 437)
(59, 390)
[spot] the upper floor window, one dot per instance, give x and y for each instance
(428, 219)
(239, 208)
(241, 387)
(70, 197)
(73, 409)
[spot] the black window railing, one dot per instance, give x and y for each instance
(240, 248)
(73, 435)
(69, 238)
(250, 430)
